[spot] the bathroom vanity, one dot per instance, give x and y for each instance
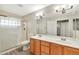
(53, 45)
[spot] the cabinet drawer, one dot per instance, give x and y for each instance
(45, 43)
(37, 41)
(44, 49)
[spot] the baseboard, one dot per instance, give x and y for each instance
(9, 50)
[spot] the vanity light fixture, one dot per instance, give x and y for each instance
(39, 15)
(63, 8)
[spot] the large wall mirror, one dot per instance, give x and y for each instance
(64, 27)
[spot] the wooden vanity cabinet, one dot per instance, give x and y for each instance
(35, 46)
(31, 45)
(39, 47)
(56, 49)
(71, 51)
(45, 48)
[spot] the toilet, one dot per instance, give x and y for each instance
(25, 44)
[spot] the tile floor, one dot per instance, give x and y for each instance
(16, 52)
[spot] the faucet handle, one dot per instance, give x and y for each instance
(64, 39)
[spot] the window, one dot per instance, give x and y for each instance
(6, 21)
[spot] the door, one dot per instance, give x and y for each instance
(32, 45)
(37, 47)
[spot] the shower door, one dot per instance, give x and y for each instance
(9, 33)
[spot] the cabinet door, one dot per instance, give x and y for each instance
(45, 43)
(56, 49)
(37, 47)
(44, 50)
(32, 45)
(71, 51)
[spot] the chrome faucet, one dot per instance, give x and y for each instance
(63, 39)
(39, 35)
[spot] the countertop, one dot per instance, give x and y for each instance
(57, 39)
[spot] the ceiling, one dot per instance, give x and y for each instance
(21, 9)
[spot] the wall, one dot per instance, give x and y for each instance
(9, 14)
(52, 17)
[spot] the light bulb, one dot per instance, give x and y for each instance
(57, 7)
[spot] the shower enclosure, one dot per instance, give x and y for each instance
(10, 31)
